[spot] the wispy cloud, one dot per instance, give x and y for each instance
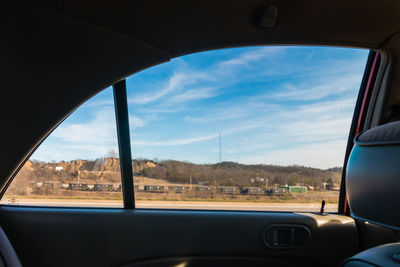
(175, 82)
(256, 54)
(84, 139)
(173, 86)
(197, 137)
(100, 129)
(188, 84)
(317, 88)
(175, 142)
(194, 94)
(221, 113)
(319, 155)
(136, 122)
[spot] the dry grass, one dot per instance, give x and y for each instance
(309, 197)
(312, 197)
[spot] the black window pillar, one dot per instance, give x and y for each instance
(124, 143)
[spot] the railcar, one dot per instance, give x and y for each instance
(118, 188)
(178, 189)
(103, 187)
(204, 189)
(78, 186)
(252, 191)
(155, 188)
(228, 190)
(280, 191)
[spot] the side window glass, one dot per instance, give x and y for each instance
(255, 128)
(77, 164)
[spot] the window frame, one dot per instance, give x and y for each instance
(125, 146)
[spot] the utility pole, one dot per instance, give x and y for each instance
(220, 152)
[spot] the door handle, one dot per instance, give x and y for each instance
(286, 236)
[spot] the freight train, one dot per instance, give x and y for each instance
(168, 188)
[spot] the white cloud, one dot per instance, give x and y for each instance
(186, 84)
(49, 151)
(221, 113)
(193, 94)
(175, 142)
(197, 138)
(319, 155)
(175, 84)
(307, 91)
(253, 55)
(136, 122)
(84, 140)
(101, 129)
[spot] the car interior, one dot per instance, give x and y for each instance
(56, 55)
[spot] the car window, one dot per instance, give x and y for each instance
(78, 163)
(255, 128)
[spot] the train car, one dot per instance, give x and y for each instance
(269, 192)
(204, 189)
(155, 188)
(178, 189)
(139, 188)
(118, 187)
(78, 186)
(253, 191)
(228, 190)
(108, 187)
(103, 187)
(280, 191)
(65, 186)
(98, 187)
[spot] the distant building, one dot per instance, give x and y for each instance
(297, 189)
(59, 168)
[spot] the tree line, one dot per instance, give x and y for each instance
(236, 174)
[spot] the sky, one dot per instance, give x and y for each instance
(283, 105)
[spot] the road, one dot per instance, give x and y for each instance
(202, 205)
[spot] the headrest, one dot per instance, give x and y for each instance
(373, 176)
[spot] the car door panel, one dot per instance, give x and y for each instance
(109, 237)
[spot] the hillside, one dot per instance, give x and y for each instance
(106, 170)
(232, 173)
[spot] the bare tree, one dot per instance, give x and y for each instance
(111, 153)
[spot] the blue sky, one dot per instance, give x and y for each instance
(272, 105)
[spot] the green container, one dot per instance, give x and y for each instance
(297, 189)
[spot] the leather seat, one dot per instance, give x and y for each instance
(383, 255)
(372, 186)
